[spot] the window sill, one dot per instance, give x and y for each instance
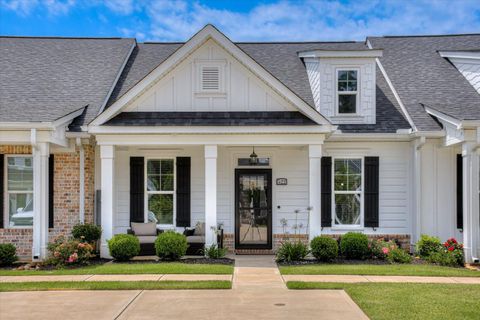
(210, 94)
(347, 228)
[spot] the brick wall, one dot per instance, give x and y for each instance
(66, 197)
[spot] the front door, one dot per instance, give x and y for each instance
(253, 209)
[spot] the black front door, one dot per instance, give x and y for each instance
(253, 209)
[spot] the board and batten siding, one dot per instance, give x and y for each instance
(179, 89)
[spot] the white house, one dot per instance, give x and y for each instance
(268, 140)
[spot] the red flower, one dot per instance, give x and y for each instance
(451, 248)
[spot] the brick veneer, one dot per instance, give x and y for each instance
(229, 241)
(66, 197)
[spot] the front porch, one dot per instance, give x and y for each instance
(209, 190)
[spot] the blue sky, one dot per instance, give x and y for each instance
(241, 20)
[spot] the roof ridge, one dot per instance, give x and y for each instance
(427, 35)
(66, 38)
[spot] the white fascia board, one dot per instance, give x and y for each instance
(475, 55)
(208, 32)
(371, 53)
(209, 139)
(394, 91)
(460, 124)
(67, 119)
(370, 137)
(119, 73)
(208, 129)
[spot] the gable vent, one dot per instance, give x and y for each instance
(210, 78)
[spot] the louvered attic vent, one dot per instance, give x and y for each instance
(211, 78)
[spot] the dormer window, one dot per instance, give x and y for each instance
(347, 91)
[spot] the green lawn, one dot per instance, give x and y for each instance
(380, 270)
(381, 301)
(131, 268)
(114, 285)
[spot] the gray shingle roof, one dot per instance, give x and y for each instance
(270, 118)
(43, 79)
(421, 76)
(389, 115)
(280, 59)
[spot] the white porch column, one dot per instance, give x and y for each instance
(41, 153)
(107, 156)
(471, 223)
(210, 194)
(314, 192)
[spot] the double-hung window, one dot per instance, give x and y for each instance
(347, 191)
(160, 191)
(19, 191)
(347, 91)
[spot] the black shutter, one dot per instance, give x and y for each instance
(183, 191)
(51, 179)
(1, 188)
(371, 191)
(459, 191)
(137, 193)
(326, 184)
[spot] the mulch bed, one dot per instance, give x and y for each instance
(345, 261)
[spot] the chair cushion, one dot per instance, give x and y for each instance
(196, 239)
(144, 229)
(199, 229)
(147, 239)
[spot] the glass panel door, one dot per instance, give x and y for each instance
(253, 208)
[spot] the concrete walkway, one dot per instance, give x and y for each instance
(259, 292)
(391, 279)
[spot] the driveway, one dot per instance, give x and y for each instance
(258, 293)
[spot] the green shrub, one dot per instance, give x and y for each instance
(443, 258)
(428, 245)
(64, 251)
(451, 254)
(324, 248)
(8, 254)
(214, 252)
(399, 255)
(86, 232)
(171, 245)
(354, 245)
(292, 251)
(123, 247)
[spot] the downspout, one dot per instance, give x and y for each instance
(417, 162)
(82, 180)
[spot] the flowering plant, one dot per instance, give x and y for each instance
(454, 248)
(64, 251)
(380, 249)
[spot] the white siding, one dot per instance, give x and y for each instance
(241, 90)
(470, 69)
(286, 162)
(394, 197)
(438, 189)
(322, 76)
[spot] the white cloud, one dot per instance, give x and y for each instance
(21, 7)
(124, 7)
(58, 7)
(314, 19)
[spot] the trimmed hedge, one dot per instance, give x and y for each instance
(171, 245)
(123, 247)
(324, 248)
(86, 232)
(354, 245)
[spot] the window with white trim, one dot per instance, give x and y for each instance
(19, 191)
(347, 91)
(160, 191)
(347, 191)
